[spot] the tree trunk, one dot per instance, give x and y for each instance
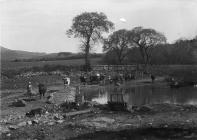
(87, 58)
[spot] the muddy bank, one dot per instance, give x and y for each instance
(159, 121)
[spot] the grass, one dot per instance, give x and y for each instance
(17, 65)
(21, 83)
(169, 69)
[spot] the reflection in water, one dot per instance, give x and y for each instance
(147, 94)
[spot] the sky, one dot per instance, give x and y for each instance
(40, 25)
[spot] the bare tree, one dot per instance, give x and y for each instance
(119, 43)
(146, 40)
(89, 26)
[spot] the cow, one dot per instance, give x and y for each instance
(42, 90)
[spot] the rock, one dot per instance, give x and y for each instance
(3, 129)
(129, 108)
(50, 99)
(99, 122)
(22, 124)
(19, 103)
(8, 135)
(29, 122)
(166, 126)
(104, 119)
(33, 112)
(150, 123)
(57, 117)
(60, 121)
(144, 108)
(70, 114)
(35, 121)
(51, 123)
(13, 127)
(44, 121)
(190, 136)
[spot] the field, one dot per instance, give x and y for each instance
(168, 69)
(17, 65)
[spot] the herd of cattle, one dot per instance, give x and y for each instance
(104, 78)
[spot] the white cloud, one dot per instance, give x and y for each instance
(123, 20)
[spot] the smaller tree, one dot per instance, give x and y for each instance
(119, 43)
(146, 40)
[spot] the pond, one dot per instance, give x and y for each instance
(143, 94)
(142, 134)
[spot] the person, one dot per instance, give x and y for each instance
(42, 90)
(83, 79)
(29, 89)
(152, 78)
(66, 81)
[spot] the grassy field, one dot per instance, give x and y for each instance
(168, 69)
(18, 65)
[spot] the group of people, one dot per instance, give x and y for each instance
(41, 89)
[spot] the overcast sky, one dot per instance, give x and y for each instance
(40, 25)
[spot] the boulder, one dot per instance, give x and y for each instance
(33, 112)
(60, 121)
(3, 129)
(8, 135)
(35, 122)
(19, 103)
(50, 99)
(29, 122)
(22, 124)
(13, 127)
(51, 123)
(58, 117)
(143, 108)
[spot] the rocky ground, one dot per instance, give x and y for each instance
(37, 119)
(163, 120)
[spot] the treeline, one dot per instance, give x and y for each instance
(60, 56)
(180, 52)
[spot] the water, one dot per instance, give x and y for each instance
(143, 94)
(142, 134)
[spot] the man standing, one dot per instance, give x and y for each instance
(29, 89)
(152, 78)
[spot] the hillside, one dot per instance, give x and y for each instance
(24, 56)
(9, 55)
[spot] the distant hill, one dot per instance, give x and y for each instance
(9, 55)
(16, 55)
